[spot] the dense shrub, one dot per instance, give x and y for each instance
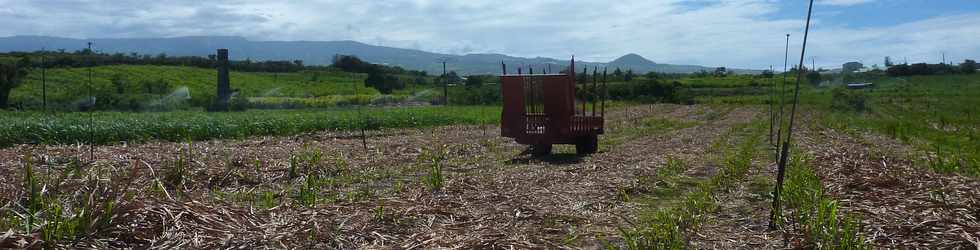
(967, 67)
(848, 100)
(475, 95)
(647, 91)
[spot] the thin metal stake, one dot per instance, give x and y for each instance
(776, 208)
(782, 97)
(44, 85)
(772, 113)
(359, 114)
(91, 118)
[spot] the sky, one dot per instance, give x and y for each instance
(731, 33)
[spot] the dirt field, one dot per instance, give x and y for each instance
(243, 193)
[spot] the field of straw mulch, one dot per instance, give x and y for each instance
(902, 205)
(493, 197)
(241, 194)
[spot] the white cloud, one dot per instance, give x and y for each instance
(733, 33)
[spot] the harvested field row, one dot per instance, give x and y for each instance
(256, 192)
(902, 204)
(464, 187)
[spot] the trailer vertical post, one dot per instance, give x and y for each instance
(605, 93)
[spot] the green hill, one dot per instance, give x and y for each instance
(125, 85)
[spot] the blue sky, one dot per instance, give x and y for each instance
(863, 14)
(732, 33)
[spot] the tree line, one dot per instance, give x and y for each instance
(967, 67)
(89, 58)
(12, 73)
(381, 77)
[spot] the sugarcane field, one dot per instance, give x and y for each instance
(490, 125)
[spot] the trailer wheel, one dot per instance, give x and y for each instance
(541, 149)
(587, 145)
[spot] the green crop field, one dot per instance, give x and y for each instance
(115, 85)
(113, 127)
(937, 114)
(731, 81)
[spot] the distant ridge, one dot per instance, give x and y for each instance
(322, 52)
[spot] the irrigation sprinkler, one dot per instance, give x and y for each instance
(782, 97)
(44, 85)
(772, 113)
(359, 114)
(813, 63)
(91, 109)
(784, 155)
(445, 81)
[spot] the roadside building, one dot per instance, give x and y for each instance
(852, 67)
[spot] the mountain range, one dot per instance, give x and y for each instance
(322, 52)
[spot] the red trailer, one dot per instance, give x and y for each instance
(543, 109)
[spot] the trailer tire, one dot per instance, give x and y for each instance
(540, 149)
(587, 145)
